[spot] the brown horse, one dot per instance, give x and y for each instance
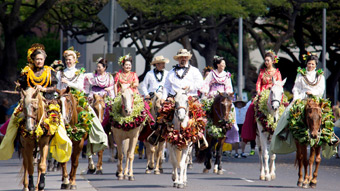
(155, 151)
(33, 109)
(220, 110)
(70, 110)
(313, 116)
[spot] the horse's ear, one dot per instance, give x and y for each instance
(231, 95)
(58, 91)
(283, 82)
(68, 89)
(23, 93)
(221, 94)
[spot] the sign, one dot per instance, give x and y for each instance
(119, 15)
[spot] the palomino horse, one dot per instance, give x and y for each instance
(178, 157)
(120, 135)
(220, 113)
(33, 109)
(155, 151)
(70, 110)
(313, 116)
(263, 137)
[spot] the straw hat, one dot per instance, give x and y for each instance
(159, 59)
(183, 52)
(239, 103)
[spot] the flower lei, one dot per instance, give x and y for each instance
(276, 58)
(137, 118)
(262, 114)
(33, 80)
(192, 133)
(303, 71)
(34, 47)
(306, 56)
(84, 124)
(122, 59)
(300, 130)
(213, 130)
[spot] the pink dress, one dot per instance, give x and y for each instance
(264, 81)
(120, 79)
(95, 84)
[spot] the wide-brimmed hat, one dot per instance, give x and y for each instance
(239, 101)
(159, 59)
(183, 52)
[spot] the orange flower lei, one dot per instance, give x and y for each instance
(43, 79)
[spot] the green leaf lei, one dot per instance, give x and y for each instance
(262, 114)
(300, 130)
(303, 71)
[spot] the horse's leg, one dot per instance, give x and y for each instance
(190, 165)
(65, 182)
(298, 160)
(208, 155)
(125, 148)
(264, 144)
(91, 167)
(150, 153)
(43, 145)
(305, 165)
(182, 156)
(218, 163)
(272, 165)
(173, 160)
(317, 150)
(259, 145)
(132, 146)
(159, 161)
(100, 162)
(77, 149)
(27, 150)
(119, 141)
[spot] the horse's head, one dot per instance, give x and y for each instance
(276, 93)
(127, 100)
(156, 103)
(68, 106)
(33, 107)
(222, 104)
(313, 117)
(181, 104)
(99, 105)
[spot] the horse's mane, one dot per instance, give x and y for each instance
(41, 106)
(74, 117)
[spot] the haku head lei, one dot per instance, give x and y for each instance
(34, 47)
(308, 55)
(99, 59)
(73, 52)
(122, 59)
(276, 58)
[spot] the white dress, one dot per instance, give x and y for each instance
(74, 81)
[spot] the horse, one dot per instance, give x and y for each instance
(155, 151)
(70, 110)
(263, 136)
(120, 135)
(34, 111)
(313, 116)
(220, 113)
(178, 157)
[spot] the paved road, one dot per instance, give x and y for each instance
(240, 174)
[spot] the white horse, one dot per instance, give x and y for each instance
(155, 152)
(267, 172)
(178, 157)
(120, 135)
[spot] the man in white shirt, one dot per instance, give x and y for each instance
(182, 76)
(154, 80)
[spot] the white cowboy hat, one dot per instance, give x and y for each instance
(159, 59)
(183, 52)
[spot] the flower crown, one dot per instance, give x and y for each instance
(208, 68)
(34, 47)
(308, 55)
(276, 58)
(77, 54)
(122, 59)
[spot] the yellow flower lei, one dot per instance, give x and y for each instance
(43, 79)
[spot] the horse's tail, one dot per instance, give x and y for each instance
(201, 154)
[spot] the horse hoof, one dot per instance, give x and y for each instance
(299, 184)
(215, 171)
(91, 171)
(157, 172)
(312, 185)
(180, 186)
(175, 185)
(131, 178)
(161, 170)
(65, 186)
(305, 185)
(262, 177)
(120, 177)
(220, 172)
(273, 176)
(25, 189)
(99, 172)
(190, 166)
(126, 177)
(73, 187)
(147, 171)
(150, 167)
(205, 171)
(267, 178)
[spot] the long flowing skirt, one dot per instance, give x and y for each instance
(248, 132)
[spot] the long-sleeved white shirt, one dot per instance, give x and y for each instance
(301, 87)
(73, 82)
(150, 83)
(193, 79)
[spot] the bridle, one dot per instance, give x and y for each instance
(220, 114)
(177, 108)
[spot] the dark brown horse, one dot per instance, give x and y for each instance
(220, 110)
(313, 116)
(70, 110)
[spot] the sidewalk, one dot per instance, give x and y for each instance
(10, 176)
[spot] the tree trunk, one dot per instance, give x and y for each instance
(187, 45)
(9, 61)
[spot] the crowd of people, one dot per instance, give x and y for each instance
(214, 80)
